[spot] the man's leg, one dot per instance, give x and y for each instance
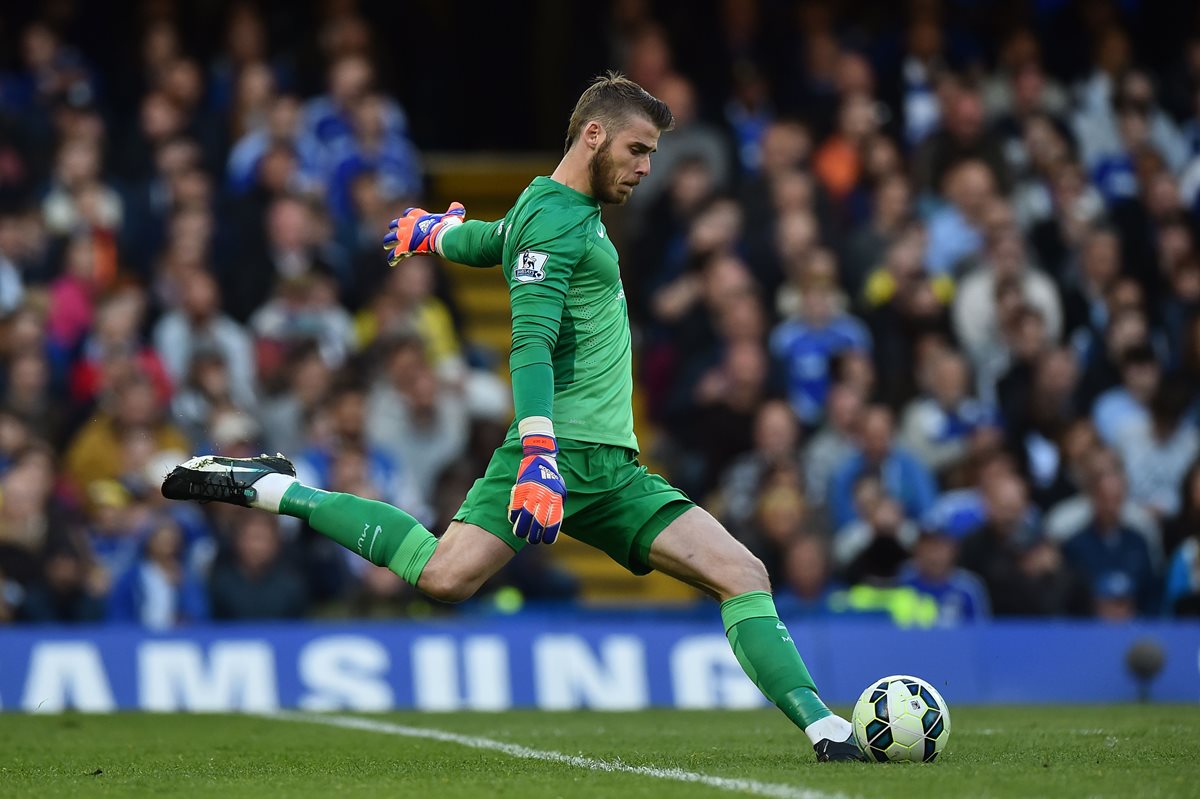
(450, 570)
(696, 549)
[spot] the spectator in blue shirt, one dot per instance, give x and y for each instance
(961, 595)
(1106, 546)
(956, 229)
(903, 475)
(940, 426)
(806, 345)
(1127, 406)
(374, 147)
(159, 591)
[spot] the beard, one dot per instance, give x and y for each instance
(602, 174)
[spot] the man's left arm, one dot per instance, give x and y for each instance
(474, 243)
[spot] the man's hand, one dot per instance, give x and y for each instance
(535, 506)
(418, 231)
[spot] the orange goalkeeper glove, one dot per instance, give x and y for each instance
(417, 232)
(535, 506)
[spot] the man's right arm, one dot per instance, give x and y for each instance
(474, 243)
(542, 260)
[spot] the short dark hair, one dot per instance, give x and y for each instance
(611, 98)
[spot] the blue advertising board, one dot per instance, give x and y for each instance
(561, 662)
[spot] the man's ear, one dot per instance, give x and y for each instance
(593, 134)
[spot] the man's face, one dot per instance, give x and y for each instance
(622, 160)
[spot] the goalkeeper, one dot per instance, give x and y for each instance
(569, 462)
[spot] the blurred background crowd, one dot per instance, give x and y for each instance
(915, 291)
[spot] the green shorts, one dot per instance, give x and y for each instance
(613, 502)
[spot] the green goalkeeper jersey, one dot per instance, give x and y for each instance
(571, 358)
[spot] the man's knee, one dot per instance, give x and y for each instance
(743, 575)
(446, 584)
(749, 575)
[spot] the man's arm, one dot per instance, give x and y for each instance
(474, 243)
(541, 262)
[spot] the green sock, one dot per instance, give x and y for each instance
(765, 649)
(381, 533)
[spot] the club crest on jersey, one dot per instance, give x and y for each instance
(530, 267)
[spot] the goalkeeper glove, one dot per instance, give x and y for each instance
(418, 232)
(535, 506)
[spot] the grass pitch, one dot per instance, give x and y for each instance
(1116, 751)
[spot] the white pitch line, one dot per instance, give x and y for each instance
(774, 790)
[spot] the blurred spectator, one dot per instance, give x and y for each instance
(31, 396)
(1113, 101)
(77, 199)
(30, 523)
(116, 339)
(74, 292)
(780, 515)
(806, 344)
(1076, 512)
(776, 444)
(276, 156)
(307, 379)
(917, 78)
(867, 245)
(837, 162)
(1087, 283)
(1182, 592)
(1050, 405)
(963, 134)
(834, 443)
(726, 398)
(807, 584)
(1105, 547)
(942, 426)
(872, 546)
(907, 310)
(1024, 575)
(256, 581)
(405, 305)
(199, 324)
(374, 144)
(158, 591)
(414, 416)
(957, 227)
(748, 112)
(337, 438)
(303, 307)
(903, 476)
(71, 590)
(976, 316)
(130, 413)
(289, 245)
(1186, 520)
(933, 571)
(1126, 407)
(1159, 451)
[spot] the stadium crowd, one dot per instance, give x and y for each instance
(916, 313)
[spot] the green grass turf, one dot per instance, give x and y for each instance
(1116, 751)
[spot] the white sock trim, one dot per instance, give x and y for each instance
(270, 488)
(835, 728)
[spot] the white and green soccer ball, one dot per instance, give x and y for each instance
(901, 719)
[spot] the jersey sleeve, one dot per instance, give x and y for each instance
(540, 258)
(474, 243)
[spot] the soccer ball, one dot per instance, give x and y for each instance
(901, 718)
